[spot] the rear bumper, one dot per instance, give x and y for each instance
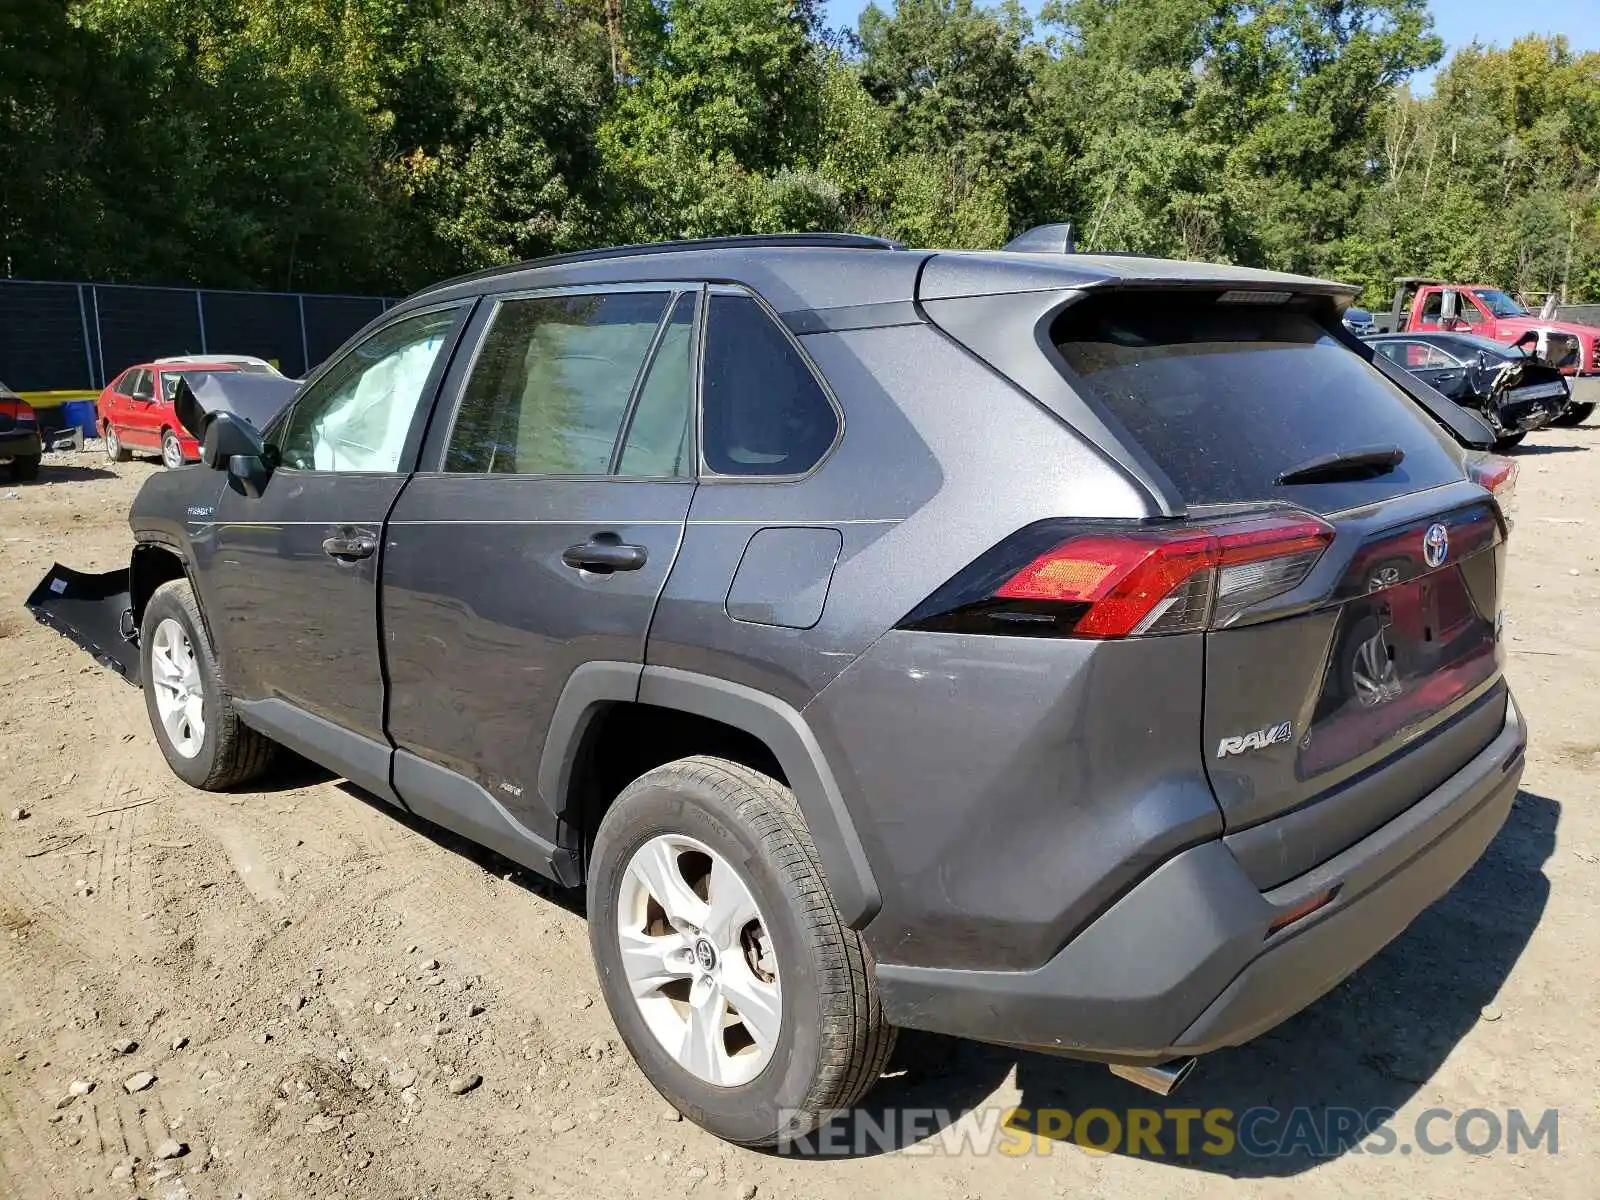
(1525, 416)
(1585, 388)
(1183, 963)
(16, 444)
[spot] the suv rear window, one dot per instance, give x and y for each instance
(1226, 397)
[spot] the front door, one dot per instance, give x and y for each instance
(538, 542)
(140, 427)
(292, 574)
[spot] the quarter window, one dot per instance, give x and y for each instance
(765, 412)
(551, 387)
(356, 417)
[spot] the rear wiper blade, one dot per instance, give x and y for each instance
(1365, 462)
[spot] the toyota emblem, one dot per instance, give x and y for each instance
(1436, 545)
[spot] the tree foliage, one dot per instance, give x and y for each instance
(379, 144)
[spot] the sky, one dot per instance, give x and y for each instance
(1458, 22)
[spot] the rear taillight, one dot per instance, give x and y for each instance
(25, 414)
(1104, 582)
(1499, 476)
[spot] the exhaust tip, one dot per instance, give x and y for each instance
(1162, 1078)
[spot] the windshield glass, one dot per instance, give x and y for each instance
(169, 379)
(1500, 304)
(7, 393)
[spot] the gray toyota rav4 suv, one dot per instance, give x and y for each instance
(1093, 654)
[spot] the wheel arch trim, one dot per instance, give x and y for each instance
(777, 725)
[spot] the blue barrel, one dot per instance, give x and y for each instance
(79, 414)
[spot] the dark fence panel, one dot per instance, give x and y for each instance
(79, 336)
(42, 332)
(266, 326)
(132, 320)
(332, 319)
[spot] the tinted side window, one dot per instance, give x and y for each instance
(357, 415)
(552, 382)
(656, 444)
(765, 412)
(124, 383)
(1423, 356)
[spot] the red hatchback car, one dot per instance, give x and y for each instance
(135, 412)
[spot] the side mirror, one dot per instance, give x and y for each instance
(234, 445)
(1449, 308)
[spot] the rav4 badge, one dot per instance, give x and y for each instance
(1259, 739)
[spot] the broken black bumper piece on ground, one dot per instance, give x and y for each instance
(94, 611)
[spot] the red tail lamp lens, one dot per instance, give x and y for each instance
(1170, 581)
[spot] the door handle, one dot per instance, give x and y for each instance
(604, 554)
(349, 547)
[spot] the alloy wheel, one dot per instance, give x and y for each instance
(179, 693)
(699, 960)
(1373, 673)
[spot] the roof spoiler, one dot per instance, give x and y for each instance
(1045, 239)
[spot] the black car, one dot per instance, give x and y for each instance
(1512, 390)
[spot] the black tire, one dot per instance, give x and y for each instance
(24, 468)
(230, 753)
(1576, 414)
(171, 450)
(1509, 442)
(115, 450)
(834, 1042)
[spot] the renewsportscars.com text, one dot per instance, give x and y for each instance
(1260, 1132)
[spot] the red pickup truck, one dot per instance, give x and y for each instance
(1431, 305)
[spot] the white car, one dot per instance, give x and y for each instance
(245, 362)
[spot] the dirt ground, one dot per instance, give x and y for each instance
(305, 976)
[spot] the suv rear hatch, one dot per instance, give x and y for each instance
(1348, 682)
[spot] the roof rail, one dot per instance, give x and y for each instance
(1045, 239)
(751, 241)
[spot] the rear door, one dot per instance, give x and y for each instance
(112, 401)
(536, 540)
(1346, 698)
(1438, 369)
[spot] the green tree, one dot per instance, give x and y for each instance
(495, 146)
